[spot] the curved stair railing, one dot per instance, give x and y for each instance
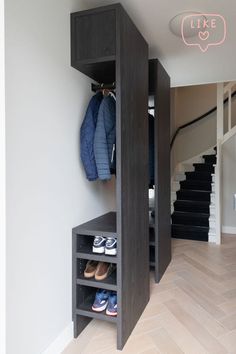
(212, 110)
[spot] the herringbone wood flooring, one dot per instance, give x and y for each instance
(192, 310)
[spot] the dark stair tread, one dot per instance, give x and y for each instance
(190, 194)
(190, 218)
(209, 158)
(199, 175)
(204, 167)
(196, 185)
(189, 232)
(209, 164)
(192, 206)
(191, 214)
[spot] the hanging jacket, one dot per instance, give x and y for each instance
(151, 150)
(105, 137)
(87, 132)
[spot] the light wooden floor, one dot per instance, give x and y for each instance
(192, 310)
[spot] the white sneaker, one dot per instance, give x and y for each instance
(99, 244)
(111, 246)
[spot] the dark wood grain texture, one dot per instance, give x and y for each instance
(160, 87)
(127, 63)
(132, 175)
(93, 43)
(105, 224)
(79, 322)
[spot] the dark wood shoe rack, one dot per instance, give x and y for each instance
(84, 289)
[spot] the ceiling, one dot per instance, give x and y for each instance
(185, 65)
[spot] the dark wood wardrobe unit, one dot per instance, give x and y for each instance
(160, 225)
(107, 47)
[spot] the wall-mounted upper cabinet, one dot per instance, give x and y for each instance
(93, 42)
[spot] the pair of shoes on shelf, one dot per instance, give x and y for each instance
(99, 270)
(105, 245)
(105, 300)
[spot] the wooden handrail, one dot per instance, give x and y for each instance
(214, 109)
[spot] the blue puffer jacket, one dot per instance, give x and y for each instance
(87, 132)
(105, 137)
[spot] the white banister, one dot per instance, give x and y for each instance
(218, 192)
(223, 135)
(220, 111)
(229, 111)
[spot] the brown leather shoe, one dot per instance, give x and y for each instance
(103, 270)
(90, 269)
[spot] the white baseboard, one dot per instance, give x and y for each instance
(229, 230)
(61, 342)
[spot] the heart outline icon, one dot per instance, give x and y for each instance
(203, 35)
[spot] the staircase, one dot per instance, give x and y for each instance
(192, 207)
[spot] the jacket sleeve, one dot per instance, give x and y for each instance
(101, 145)
(87, 131)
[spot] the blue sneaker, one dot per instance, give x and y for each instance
(112, 304)
(101, 300)
(111, 246)
(99, 243)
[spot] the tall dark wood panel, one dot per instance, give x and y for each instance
(159, 87)
(132, 180)
(106, 46)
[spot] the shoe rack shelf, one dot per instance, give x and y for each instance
(84, 289)
(105, 226)
(108, 284)
(84, 309)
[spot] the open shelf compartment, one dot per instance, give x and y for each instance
(85, 299)
(110, 283)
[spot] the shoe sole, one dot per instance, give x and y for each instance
(100, 309)
(108, 313)
(89, 275)
(112, 252)
(98, 250)
(102, 277)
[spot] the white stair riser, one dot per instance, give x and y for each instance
(212, 238)
(186, 167)
(175, 186)
(173, 196)
(180, 177)
(212, 224)
(212, 210)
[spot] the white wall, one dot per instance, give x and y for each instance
(47, 193)
(190, 103)
(229, 184)
(2, 186)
